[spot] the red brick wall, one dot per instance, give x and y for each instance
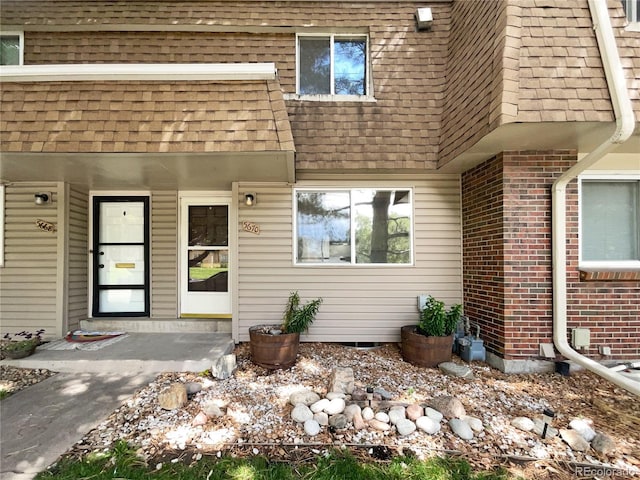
(507, 262)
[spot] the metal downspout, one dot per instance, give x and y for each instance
(625, 125)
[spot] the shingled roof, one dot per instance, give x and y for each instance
(144, 117)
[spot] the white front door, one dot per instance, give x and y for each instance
(205, 286)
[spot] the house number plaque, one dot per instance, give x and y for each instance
(251, 227)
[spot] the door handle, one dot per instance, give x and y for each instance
(101, 266)
(101, 253)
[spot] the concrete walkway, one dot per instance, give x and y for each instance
(40, 423)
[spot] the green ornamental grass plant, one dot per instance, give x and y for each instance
(296, 318)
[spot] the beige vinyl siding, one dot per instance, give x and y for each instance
(78, 257)
(361, 303)
(164, 257)
(28, 280)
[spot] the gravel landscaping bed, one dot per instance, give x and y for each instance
(250, 413)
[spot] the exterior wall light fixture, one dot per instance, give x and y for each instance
(250, 199)
(42, 198)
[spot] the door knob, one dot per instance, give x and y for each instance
(101, 266)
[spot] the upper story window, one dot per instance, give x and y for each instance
(632, 8)
(354, 226)
(610, 219)
(332, 65)
(11, 48)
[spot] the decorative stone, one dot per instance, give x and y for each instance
(342, 380)
(475, 423)
(338, 421)
(311, 427)
(306, 397)
(301, 413)
(193, 387)
(358, 395)
(174, 396)
(382, 417)
(333, 395)
(405, 427)
(335, 406)
(358, 422)
(275, 331)
(574, 440)
(449, 407)
(378, 425)
(224, 367)
(434, 415)
(455, 370)
(384, 395)
(200, 419)
(322, 418)
(428, 425)
(414, 411)
(583, 427)
(320, 405)
(212, 410)
(351, 410)
(523, 423)
(367, 414)
(603, 444)
(396, 414)
(461, 428)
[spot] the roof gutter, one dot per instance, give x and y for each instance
(625, 125)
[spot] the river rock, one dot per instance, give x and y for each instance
(174, 396)
(193, 388)
(449, 407)
(538, 427)
(332, 395)
(338, 421)
(322, 418)
(428, 425)
(396, 414)
(342, 380)
(301, 413)
(434, 415)
(358, 422)
(523, 423)
(405, 427)
(455, 370)
(306, 397)
(461, 428)
(358, 395)
(311, 427)
(212, 410)
(382, 393)
(200, 419)
(320, 405)
(603, 444)
(414, 411)
(367, 414)
(474, 423)
(574, 440)
(382, 417)
(583, 427)
(378, 425)
(350, 411)
(335, 406)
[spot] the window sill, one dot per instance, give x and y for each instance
(609, 275)
(329, 98)
(633, 27)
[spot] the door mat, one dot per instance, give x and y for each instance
(64, 344)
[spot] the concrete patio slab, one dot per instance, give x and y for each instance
(136, 353)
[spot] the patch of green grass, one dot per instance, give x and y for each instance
(121, 463)
(4, 393)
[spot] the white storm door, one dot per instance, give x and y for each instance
(205, 287)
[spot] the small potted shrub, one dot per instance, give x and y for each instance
(21, 344)
(276, 346)
(430, 342)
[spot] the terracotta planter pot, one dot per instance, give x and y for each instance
(273, 351)
(424, 351)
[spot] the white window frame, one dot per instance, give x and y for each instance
(632, 10)
(602, 265)
(353, 232)
(332, 97)
(1, 225)
(20, 35)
